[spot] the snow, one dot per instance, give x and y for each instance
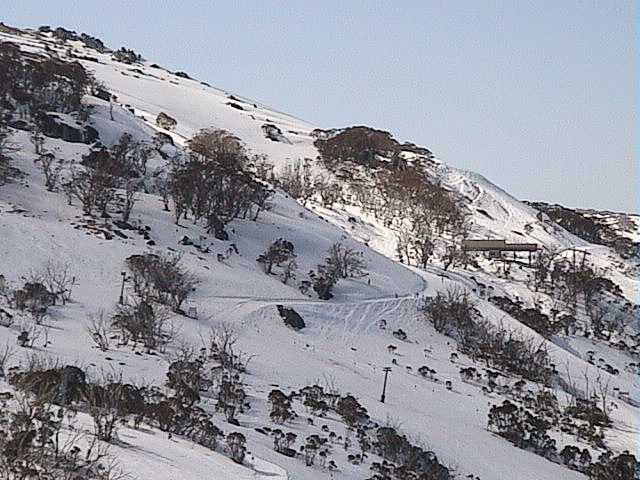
(342, 343)
(158, 457)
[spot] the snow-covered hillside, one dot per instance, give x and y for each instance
(373, 321)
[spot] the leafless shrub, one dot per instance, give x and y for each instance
(455, 315)
(38, 438)
(58, 279)
(34, 298)
(38, 362)
(184, 351)
(130, 198)
(212, 142)
(99, 329)
(104, 402)
(51, 169)
(297, 180)
(30, 333)
(161, 278)
(6, 147)
(145, 323)
(220, 346)
(6, 353)
(345, 262)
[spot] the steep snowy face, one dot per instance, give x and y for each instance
(498, 214)
(450, 391)
(148, 90)
(196, 106)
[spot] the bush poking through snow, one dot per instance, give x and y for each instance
(236, 443)
(281, 409)
(214, 182)
(345, 262)
(145, 323)
(38, 440)
(6, 147)
(99, 329)
(455, 315)
(161, 278)
(279, 252)
(51, 169)
(127, 56)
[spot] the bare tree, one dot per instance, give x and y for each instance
(345, 262)
(130, 198)
(297, 180)
(162, 278)
(599, 313)
(105, 406)
(162, 187)
(542, 268)
(330, 192)
(279, 252)
(6, 353)
(236, 443)
(211, 142)
(58, 279)
(144, 322)
(89, 188)
(602, 389)
(6, 147)
(51, 168)
(37, 138)
(214, 183)
(289, 271)
(220, 346)
(99, 329)
(263, 168)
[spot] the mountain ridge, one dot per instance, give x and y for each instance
(381, 314)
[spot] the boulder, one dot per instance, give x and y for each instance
(165, 121)
(56, 126)
(291, 318)
(273, 133)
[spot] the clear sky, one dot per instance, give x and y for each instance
(540, 96)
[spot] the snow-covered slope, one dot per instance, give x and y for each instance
(342, 345)
(195, 105)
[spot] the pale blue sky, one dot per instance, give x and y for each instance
(541, 97)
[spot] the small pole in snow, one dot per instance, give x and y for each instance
(124, 279)
(386, 371)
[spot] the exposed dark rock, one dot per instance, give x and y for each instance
(273, 133)
(20, 125)
(291, 317)
(165, 121)
(101, 93)
(56, 127)
(600, 227)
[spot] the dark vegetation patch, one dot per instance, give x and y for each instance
(589, 227)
